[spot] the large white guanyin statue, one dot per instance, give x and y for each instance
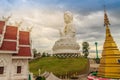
(67, 46)
(69, 30)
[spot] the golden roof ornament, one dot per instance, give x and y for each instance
(106, 20)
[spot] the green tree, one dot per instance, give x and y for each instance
(39, 54)
(43, 54)
(85, 49)
(40, 78)
(35, 52)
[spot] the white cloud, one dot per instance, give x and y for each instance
(47, 22)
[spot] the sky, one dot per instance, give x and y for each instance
(46, 18)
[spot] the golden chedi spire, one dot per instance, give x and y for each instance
(109, 63)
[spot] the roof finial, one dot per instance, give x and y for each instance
(18, 24)
(106, 20)
(30, 28)
(6, 18)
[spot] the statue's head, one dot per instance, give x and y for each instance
(68, 17)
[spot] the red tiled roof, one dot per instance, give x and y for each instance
(24, 38)
(2, 23)
(8, 46)
(9, 42)
(24, 51)
(11, 32)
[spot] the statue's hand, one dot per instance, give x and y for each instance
(60, 32)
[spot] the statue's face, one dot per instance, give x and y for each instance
(68, 18)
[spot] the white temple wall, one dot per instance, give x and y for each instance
(6, 62)
(10, 68)
(24, 69)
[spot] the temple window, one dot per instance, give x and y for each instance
(19, 69)
(1, 70)
(2, 66)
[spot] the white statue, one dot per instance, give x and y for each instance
(67, 43)
(61, 33)
(69, 30)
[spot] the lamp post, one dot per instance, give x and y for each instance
(96, 50)
(39, 71)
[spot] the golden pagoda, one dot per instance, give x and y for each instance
(110, 61)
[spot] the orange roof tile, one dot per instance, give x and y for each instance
(8, 46)
(11, 33)
(24, 38)
(9, 43)
(24, 51)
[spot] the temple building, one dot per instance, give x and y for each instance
(15, 50)
(110, 61)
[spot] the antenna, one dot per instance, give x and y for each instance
(104, 6)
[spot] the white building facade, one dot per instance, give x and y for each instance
(15, 50)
